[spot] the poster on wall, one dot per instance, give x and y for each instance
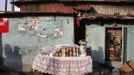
(3, 25)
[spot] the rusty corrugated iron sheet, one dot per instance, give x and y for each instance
(19, 2)
(56, 7)
(62, 8)
(101, 9)
(95, 0)
(82, 7)
(80, 0)
(112, 9)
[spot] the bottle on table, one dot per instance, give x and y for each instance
(74, 51)
(63, 51)
(66, 52)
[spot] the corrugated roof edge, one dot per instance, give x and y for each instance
(99, 17)
(17, 3)
(22, 14)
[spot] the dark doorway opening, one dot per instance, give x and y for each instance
(79, 32)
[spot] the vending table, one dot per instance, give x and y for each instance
(62, 65)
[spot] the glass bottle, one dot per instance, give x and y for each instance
(66, 51)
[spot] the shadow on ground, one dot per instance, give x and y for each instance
(98, 69)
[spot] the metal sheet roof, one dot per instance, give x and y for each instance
(18, 2)
(97, 0)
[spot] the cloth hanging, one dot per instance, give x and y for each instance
(78, 21)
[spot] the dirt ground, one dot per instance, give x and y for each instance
(97, 70)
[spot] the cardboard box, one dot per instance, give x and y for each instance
(131, 64)
(126, 68)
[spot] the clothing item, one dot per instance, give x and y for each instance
(78, 21)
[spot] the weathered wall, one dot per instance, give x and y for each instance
(28, 34)
(95, 35)
(130, 43)
(111, 9)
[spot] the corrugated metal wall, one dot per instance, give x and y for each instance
(111, 9)
(101, 9)
(84, 0)
(130, 43)
(95, 36)
(56, 7)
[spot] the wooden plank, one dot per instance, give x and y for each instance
(126, 68)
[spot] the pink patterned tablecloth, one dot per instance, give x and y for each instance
(62, 65)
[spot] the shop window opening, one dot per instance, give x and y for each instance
(113, 44)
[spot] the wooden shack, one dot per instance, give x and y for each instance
(107, 25)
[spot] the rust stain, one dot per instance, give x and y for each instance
(56, 7)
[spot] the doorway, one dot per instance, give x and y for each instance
(113, 44)
(79, 32)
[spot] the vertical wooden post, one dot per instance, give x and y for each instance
(124, 48)
(0, 48)
(6, 5)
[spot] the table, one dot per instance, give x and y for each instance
(62, 65)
